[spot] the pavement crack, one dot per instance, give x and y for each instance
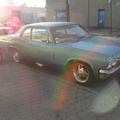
(76, 99)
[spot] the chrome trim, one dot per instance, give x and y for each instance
(104, 73)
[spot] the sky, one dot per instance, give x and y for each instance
(30, 3)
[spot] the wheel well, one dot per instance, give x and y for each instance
(12, 48)
(71, 62)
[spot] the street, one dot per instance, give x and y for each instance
(31, 92)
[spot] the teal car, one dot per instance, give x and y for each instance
(68, 46)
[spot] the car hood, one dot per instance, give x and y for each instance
(7, 38)
(109, 46)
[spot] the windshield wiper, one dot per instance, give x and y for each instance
(65, 41)
(81, 37)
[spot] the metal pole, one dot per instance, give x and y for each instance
(111, 17)
(88, 12)
(67, 11)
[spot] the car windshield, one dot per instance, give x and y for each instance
(68, 33)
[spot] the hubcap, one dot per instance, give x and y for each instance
(80, 72)
(16, 56)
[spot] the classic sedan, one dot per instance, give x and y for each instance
(12, 25)
(68, 46)
(5, 31)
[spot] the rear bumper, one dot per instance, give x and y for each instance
(105, 73)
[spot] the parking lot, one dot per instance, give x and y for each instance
(31, 92)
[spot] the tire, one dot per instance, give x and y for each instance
(81, 72)
(16, 56)
(0, 58)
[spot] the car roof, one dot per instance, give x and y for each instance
(50, 24)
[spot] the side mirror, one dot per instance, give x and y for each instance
(44, 40)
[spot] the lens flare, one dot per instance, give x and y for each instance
(62, 89)
(108, 99)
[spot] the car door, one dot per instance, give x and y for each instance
(35, 44)
(21, 42)
(41, 46)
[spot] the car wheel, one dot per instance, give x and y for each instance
(16, 55)
(82, 73)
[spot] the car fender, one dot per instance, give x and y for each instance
(11, 47)
(70, 60)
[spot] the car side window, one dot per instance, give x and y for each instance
(39, 34)
(26, 33)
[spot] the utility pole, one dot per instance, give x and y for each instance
(67, 10)
(88, 12)
(110, 1)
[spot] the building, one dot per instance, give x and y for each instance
(88, 13)
(25, 14)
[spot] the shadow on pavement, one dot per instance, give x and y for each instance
(96, 85)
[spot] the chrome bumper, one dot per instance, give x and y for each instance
(105, 73)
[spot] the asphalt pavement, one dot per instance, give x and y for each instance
(29, 94)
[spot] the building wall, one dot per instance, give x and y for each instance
(86, 12)
(79, 11)
(52, 6)
(26, 14)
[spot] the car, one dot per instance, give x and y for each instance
(5, 30)
(70, 48)
(12, 25)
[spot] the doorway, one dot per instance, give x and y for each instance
(101, 18)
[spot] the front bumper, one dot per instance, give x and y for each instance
(105, 73)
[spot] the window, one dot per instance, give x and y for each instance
(26, 33)
(60, 30)
(61, 16)
(39, 34)
(68, 33)
(75, 30)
